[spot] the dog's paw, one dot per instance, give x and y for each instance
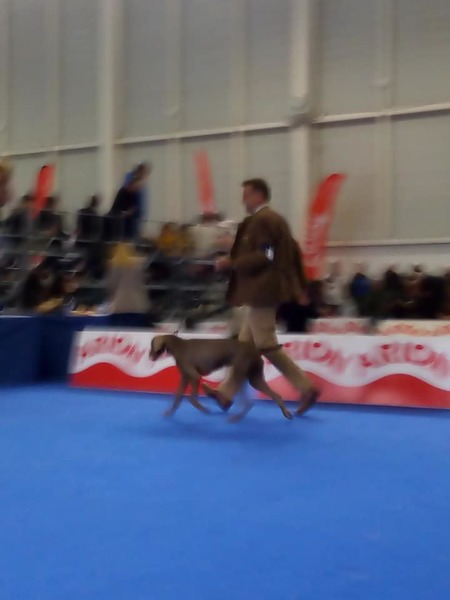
(168, 413)
(235, 418)
(288, 414)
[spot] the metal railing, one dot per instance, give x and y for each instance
(178, 287)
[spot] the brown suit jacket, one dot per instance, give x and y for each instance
(266, 262)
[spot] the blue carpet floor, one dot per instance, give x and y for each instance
(102, 499)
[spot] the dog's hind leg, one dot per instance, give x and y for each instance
(194, 398)
(256, 379)
(178, 397)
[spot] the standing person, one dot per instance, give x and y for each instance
(5, 180)
(89, 221)
(360, 288)
(266, 271)
(125, 284)
(334, 290)
(125, 209)
(19, 225)
(142, 172)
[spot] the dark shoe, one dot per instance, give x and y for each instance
(310, 398)
(224, 402)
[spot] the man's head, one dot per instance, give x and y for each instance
(255, 193)
(135, 182)
(143, 170)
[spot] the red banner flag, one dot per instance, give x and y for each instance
(320, 215)
(206, 199)
(44, 187)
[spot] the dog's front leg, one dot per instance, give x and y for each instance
(244, 401)
(194, 397)
(178, 397)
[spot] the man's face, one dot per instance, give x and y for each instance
(251, 199)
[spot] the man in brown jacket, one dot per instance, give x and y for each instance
(266, 271)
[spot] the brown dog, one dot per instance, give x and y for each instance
(196, 358)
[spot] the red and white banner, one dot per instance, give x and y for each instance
(320, 216)
(44, 187)
(380, 370)
(417, 328)
(206, 198)
(339, 326)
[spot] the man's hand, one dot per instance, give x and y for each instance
(223, 264)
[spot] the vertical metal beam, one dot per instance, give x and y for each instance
(53, 47)
(384, 127)
(302, 20)
(5, 26)
(110, 27)
(174, 77)
(238, 97)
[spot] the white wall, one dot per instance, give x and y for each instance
(384, 119)
(176, 76)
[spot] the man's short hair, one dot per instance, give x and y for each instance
(259, 185)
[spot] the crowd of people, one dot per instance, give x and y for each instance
(62, 258)
(53, 261)
(414, 294)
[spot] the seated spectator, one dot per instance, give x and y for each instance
(431, 302)
(296, 315)
(360, 287)
(185, 243)
(49, 221)
(170, 241)
(5, 179)
(19, 225)
(207, 236)
(377, 306)
(125, 284)
(89, 222)
(41, 285)
(394, 293)
(333, 290)
(89, 238)
(316, 298)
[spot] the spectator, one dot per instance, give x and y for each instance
(89, 234)
(142, 172)
(49, 220)
(41, 285)
(296, 315)
(206, 236)
(394, 293)
(125, 284)
(19, 225)
(316, 298)
(168, 240)
(125, 210)
(5, 180)
(185, 243)
(334, 290)
(89, 222)
(431, 303)
(360, 287)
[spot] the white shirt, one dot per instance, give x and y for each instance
(260, 207)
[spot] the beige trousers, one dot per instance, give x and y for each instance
(259, 326)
